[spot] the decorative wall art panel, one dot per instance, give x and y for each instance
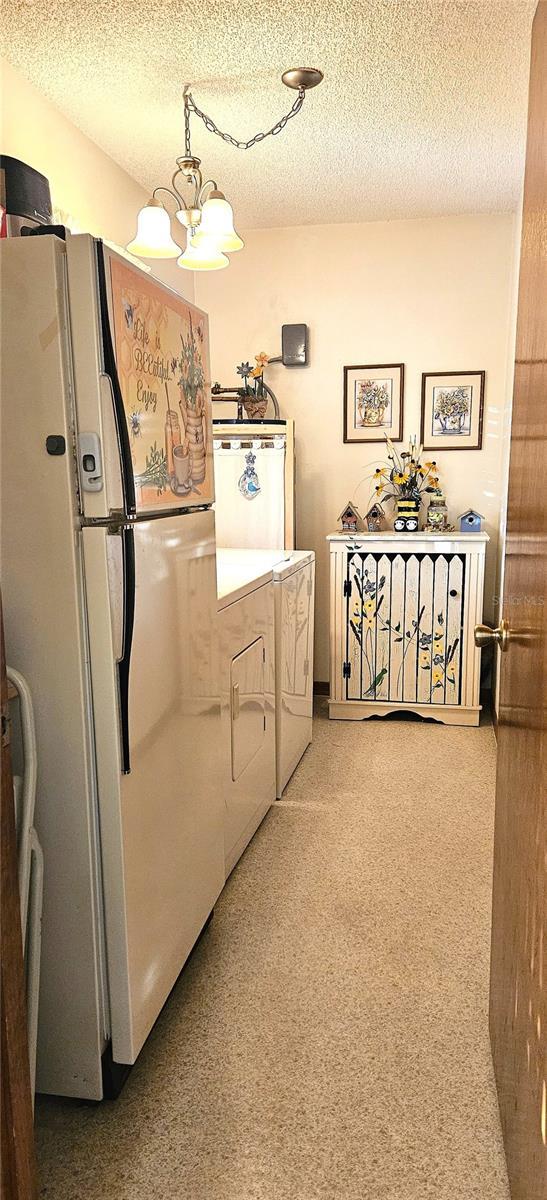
(452, 410)
(162, 356)
(404, 627)
(373, 403)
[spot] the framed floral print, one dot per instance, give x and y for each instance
(373, 403)
(452, 410)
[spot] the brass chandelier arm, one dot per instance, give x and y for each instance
(189, 169)
(191, 175)
(209, 183)
(172, 192)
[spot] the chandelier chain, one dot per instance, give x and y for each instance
(187, 149)
(191, 106)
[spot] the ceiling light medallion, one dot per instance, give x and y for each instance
(205, 211)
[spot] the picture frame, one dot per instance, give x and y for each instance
(452, 410)
(373, 403)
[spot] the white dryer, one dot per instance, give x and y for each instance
(293, 576)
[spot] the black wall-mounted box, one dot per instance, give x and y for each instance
(294, 345)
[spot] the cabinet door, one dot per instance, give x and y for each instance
(404, 620)
(248, 717)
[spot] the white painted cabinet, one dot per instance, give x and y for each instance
(402, 613)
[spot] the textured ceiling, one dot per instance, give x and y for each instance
(422, 111)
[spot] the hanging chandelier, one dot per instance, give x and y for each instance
(204, 210)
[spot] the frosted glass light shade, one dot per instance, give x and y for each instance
(217, 222)
(205, 257)
(153, 237)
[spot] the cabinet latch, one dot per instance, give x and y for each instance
(346, 670)
(347, 587)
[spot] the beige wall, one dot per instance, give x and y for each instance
(86, 185)
(434, 294)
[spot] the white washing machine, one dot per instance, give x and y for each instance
(294, 588)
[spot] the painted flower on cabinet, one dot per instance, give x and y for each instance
(443, 665)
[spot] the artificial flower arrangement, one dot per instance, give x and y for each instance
(406, 475)
(255, 400)
(405, 480)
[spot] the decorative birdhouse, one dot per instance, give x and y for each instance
(374, 518)
(470, 521)
(351, 519)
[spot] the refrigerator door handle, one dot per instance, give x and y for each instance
(110, 370)
(124, 663)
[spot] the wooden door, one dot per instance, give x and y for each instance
(18, 1171)
(518, 1010)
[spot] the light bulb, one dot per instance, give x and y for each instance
(217, 222)
(153, 237)
(205, 257)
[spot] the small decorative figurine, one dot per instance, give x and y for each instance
(351, 519)
(374, 518)
(248, 483)
(408, 515)
(470, 521)
(437, 515)
(255, 402)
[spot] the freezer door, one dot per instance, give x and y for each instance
(142, 384)
(161, 351)
(151, 598)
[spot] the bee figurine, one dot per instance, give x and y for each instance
(408, 516)
(135, 423)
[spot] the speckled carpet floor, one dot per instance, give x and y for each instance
(328, 1039)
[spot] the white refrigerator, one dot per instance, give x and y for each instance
(109, 592)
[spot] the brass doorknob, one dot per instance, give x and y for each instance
(486, 636)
